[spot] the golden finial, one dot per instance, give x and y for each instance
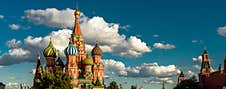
(77, 12)
(50, 40)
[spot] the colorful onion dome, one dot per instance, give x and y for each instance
(96, 50)
(71, 50)
(87, 61)
(50, 51)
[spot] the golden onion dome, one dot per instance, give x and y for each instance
(96, 50)
(77, 12)
(87, 61)
(50, 51)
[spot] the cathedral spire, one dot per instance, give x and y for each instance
(39, 69)
(77, 31)
(163, 85)
(38, 73)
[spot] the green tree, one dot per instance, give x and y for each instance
(120, 85)
(62, 80)
(133, 87)
(98, 83)
(193, 78)
(58, 80)
(113, 85)
(47, 81)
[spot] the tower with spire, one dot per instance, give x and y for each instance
(38, 73)
(181, 78)
(85, 71)
(163, 85)
(205, 66)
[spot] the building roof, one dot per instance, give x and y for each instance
(181, 74)
(96, 50)
(71, 50)
(87, 61)
(50, 51)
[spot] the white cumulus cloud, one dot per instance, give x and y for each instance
(191, 73)
(143, 70)
(163, 46)
(1, 16)
(13, 43)
(93, 29)
(114, 67)
(197, 60)
(51, 17)
(155, 35)
(222, 31)
(14, 56)
(14, 26)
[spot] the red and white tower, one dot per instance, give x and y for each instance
(98, 67)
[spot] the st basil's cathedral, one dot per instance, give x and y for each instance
(84, 71)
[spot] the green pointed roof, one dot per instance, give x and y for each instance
(39, 69)
(50, 51)
(87, 61)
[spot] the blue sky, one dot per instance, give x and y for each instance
(173, 32)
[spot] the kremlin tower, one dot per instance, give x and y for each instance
(181, 78)
(85, 72)
(209, 79)
(205, 66)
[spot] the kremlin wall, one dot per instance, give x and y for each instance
(208, 79)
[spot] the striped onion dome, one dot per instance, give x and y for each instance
(50, 51)
(71, 50)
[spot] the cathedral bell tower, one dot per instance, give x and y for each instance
(76, 37)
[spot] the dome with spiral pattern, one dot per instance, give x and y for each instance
(71, 50)
(50, 51)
